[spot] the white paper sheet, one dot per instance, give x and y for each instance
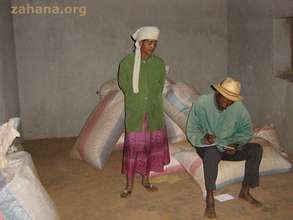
(224, 197)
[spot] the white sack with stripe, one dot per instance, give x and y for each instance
(101, 131)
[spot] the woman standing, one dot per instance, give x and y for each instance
(141, 77)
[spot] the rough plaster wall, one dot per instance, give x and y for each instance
(281, 45)
(9, 105)
(62, 60)
(250, 58)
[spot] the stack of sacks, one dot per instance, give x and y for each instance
(22, 196)
(103, 127)
(233, 171)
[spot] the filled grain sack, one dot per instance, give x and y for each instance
(178, 101)
(269, 133)
(22, 196)
(101, 130)
(233, 171)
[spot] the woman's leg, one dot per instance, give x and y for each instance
(147, 184)
(129, 186)
(129, 174)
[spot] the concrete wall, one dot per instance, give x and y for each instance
(63, 59)
(9, 104)
(251, 59)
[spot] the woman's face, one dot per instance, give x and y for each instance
(147, 48)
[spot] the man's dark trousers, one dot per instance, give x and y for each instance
(211, 156)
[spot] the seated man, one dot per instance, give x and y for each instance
(219, 127)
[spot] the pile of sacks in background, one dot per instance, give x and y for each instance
(104, 128)
(104, 131)
(22, 196)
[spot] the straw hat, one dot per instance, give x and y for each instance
(230, 89)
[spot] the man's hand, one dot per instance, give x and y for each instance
(209, 138)
(231, 150)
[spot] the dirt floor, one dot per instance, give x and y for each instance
(82, 193)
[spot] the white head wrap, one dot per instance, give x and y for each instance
(143, 33)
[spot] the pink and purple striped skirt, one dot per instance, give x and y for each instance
(145, 151)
